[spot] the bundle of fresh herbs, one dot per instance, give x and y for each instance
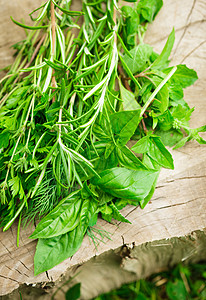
(69, 106)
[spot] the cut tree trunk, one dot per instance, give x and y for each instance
(171, 229)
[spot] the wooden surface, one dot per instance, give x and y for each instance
(171, 228)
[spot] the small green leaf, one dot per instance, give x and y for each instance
(176, 290)
(14, 184)
(117, 215)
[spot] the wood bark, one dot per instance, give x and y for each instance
(171, 229)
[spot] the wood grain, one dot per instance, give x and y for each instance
(170, 229)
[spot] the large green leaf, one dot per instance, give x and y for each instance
(126, 183)
(63, 218)
(50, 252)
(124, 124)
(141, 55)
(164, 56)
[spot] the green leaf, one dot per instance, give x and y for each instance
(68, 12)
(183, 76)
(170, 137)
(128, 159)
(28, 27)
(149, 9)
(155, 149)
(176, 290)
(74, 292)
(162, 98)
(124, 124)
(182, 142)
(117, 215)
(4, 139)
(142, 145)
(50, 252)
(126, 183)
(128, 98)
(144, 202)
(141, 55)
(63, 218)
(14, 184)
(159, 153)
(164, 56)
(175, 91)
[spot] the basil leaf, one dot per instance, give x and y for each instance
(126, 183)
(142, 145)
(141, 55)
(155, 149)
(61, 219)
(74, 292)
(159, 153)
(164, 56)
(50, 252)
(124, 124)
(128, 159)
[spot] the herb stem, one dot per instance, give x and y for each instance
(157, 90)
(53, 26)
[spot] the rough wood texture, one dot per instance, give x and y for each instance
(167, 231)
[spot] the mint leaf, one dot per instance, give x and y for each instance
(170, 137)
(183, 76)
(128, 98)
(175, 91)
(164, 56)
(149, 9)
(161, 101)
(141, 55)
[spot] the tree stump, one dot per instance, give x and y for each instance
(171, 229)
